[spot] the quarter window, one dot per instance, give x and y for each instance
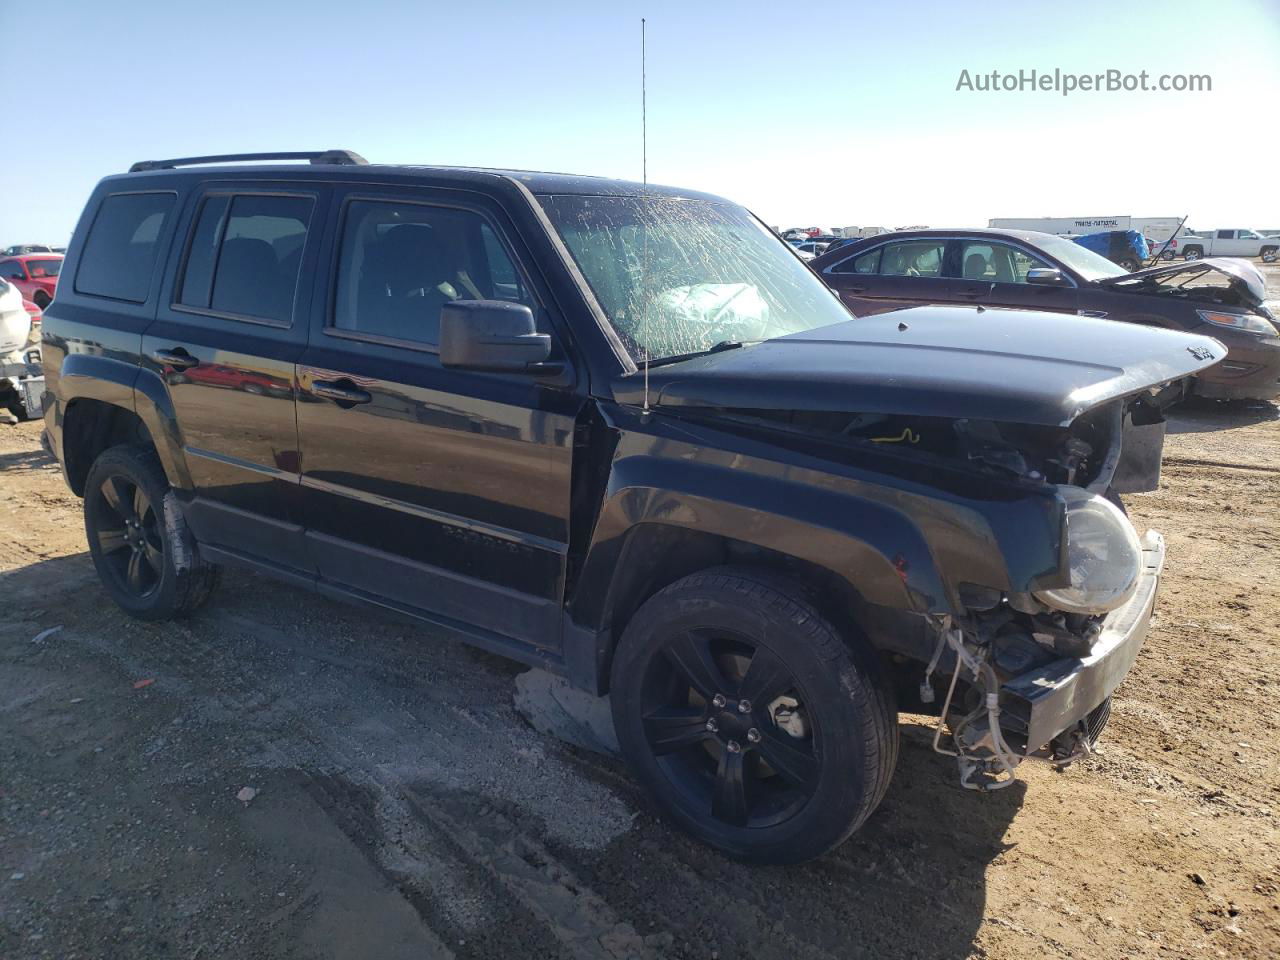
(245, 255)
(867, 263)
(120, 252)
(401, 262)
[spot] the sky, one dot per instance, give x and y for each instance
(810, 114)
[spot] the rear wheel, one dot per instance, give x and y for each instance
(147, 561)
(752, 723)
(1130, 264)
(41, 299)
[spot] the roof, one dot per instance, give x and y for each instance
(1026, 236)
(536, 181)
(34, 256)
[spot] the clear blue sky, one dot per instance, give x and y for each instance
(824, 114)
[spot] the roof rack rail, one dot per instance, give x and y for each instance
(340, 157)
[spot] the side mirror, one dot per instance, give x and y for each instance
(490, 335)
(1046, 276)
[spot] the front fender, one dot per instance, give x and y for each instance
(876, 548)
(902, 541)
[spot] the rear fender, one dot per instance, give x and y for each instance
(155, 409)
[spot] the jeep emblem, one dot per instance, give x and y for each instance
(1200, 353)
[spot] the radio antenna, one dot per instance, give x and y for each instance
(644, 230)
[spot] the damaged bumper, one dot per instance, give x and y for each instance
(1056, 697)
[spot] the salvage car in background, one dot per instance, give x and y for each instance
(1221, 298)
(21, 382)
(35, 274)
(1124, 248)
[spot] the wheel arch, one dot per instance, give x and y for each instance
(89, 427)
(103, 401)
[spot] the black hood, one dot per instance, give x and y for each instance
(1016, 366)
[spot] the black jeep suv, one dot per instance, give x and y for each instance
(623, 433)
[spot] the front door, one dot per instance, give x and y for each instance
(998, 273)
(228, 333)
(441, 492)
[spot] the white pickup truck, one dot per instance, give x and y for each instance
(1228, 243)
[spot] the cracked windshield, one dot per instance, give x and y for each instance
(676, 277)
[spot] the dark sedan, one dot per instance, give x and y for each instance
(1222, 298)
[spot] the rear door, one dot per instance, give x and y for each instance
(889, 276)
(229, 331)
(437, 491)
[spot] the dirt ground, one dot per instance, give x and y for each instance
(403, 808)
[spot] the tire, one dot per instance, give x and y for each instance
(758, 791)
(1130, 264)
(1268, 254)
(1192, 253)
(1096, 721)
(41, 299)
(133, 548)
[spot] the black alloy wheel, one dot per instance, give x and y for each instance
(730, 728)
(754, 723)
(126, 528)
(148, 562)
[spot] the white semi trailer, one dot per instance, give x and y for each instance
(1158, 229)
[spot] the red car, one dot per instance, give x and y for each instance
(35, 274)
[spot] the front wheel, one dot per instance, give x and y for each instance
(1193, 253)
(144, 554)
(1269, 255)
(1130, 264)
(749, 719)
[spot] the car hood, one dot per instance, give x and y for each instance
(1244, 278)
(1016, 366)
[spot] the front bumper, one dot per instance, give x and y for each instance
(1251, 371)
(1057, 696)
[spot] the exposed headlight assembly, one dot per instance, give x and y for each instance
(1103, 555)
(1239, 321)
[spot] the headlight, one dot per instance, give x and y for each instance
(1103, 554)
(1239, 321)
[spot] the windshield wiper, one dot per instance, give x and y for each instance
(720, 347)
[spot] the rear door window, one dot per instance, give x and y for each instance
(119, 256)
(245, 256)
(912, 258)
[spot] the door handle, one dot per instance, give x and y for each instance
(342, 392)
(175, 357)
(856, 289)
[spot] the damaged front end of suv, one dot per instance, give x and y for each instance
(1010, 437)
